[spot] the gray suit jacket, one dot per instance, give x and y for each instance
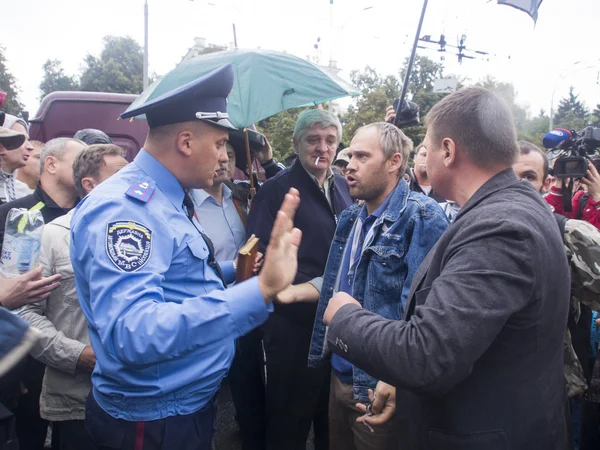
(478, 360)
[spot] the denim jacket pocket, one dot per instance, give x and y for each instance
(387, 269)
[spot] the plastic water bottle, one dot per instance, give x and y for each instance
(22, 241)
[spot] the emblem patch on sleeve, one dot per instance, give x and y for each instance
(128, 244)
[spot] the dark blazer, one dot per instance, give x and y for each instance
(314, 218)
(481, 347)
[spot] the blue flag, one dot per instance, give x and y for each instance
(529, 6)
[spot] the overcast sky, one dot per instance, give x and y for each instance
(381, 36)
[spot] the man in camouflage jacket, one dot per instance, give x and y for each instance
(582, 243)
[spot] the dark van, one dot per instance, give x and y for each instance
(62, 114)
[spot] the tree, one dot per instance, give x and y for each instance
(377, 93)
(279, 129)
(571, 104)
(119, 68)
(595, 117)
(55, 79)
(423, 74)
(8, 84)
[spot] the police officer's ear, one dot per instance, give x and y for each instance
(184, 142)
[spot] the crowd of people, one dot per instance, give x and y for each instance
(436, 297)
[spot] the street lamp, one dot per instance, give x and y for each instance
(145, 44)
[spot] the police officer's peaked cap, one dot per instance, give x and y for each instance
(204, 98)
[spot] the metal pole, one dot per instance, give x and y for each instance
(411, 62)
(145, 44)
(234, 37)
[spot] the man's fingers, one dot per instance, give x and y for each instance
(296, 239)
(44, 282)
(378, 419)
(290, 203)
(280, 228)
(363, 409)
(33, 274)
(43, 290)
(379, 403)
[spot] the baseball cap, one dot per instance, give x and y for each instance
(8, 138)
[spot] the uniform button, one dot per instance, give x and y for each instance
(337, 341)
(345, 348)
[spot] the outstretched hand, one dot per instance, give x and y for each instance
(281, 258)
(27, 288)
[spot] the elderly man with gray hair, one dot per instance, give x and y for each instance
(296, 395)
(54, 196)
(64, 345)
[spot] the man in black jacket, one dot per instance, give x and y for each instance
(479, 353)
(54, 196)
(296, 395)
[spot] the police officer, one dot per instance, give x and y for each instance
(161, 323)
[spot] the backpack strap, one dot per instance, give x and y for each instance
(581, 205)
(561, 222)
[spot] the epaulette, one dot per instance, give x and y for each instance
(142, 190)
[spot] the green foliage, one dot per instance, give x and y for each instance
(55, 79)
(595, 116)
(377, 93)
(571, 113)
(8, 84)
(279, 129)
(423, 74)
(119, 68)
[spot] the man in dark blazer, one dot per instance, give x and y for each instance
(479, 353)
(297, 395)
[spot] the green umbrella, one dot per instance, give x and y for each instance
(266, 82)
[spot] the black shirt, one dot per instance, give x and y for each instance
(50, 211)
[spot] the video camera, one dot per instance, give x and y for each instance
(407, 115)
(575, 146)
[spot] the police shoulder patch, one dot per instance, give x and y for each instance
(128, 244)
(142, 190)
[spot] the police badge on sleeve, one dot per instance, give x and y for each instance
(128, 244)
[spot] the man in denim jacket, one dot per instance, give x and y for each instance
(375, 252)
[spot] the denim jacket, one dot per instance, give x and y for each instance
(402, 236)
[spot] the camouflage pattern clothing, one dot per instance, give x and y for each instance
(582, 243)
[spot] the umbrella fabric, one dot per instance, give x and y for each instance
(266, 82)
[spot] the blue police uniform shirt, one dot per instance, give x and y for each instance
(161, 324)
(221, 222)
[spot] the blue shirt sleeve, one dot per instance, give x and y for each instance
(228, 271)
(139, 317)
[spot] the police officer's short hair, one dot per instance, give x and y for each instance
(479, 122)
(88, 163)
(56, 147)
(316, 118)
(392, 140)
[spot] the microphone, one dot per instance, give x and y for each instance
(556, 137)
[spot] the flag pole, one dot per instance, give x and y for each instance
(411, 62)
